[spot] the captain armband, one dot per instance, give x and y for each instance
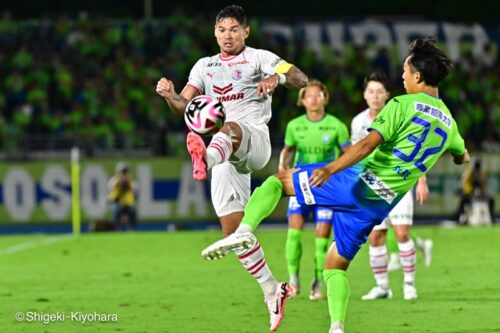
(281, 70)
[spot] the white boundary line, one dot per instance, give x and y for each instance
(34, 243)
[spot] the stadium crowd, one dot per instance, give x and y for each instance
(93, 81)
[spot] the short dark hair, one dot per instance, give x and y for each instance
(378, 76)
(432, 63)
(232, 11)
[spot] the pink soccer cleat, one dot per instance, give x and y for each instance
(196, 148)
(276, 305)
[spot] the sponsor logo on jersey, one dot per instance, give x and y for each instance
(232, 97)
(316, 150)
(378, 186)
(405, 173)
(223, 90)
(242, 62)
(214, 64)
(434, 112)
(210, 75)
(305, 188)
(237, 75)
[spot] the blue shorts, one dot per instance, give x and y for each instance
(321, 214)
(353, 219)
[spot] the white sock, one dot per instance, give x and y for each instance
(219, 150)
(255, 263)
(408, 259)
(378, 263)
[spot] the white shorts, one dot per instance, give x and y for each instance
(401, 214)
(230, 184)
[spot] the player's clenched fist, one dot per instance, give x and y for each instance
(165, 88)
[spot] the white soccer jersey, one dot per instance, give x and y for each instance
(233, 80)
(360, 125)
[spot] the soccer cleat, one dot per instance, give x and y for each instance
(196, 148)
(316, 293)
(276, 305)
(233, 242)
(337, 327)
(377, 293)
(427, 251)
(393, 264)
(409, 292)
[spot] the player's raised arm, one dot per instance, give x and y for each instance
(177, 102)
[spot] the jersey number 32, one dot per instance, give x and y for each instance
(419, 142)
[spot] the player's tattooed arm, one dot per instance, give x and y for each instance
(295, 78)
(177, 103)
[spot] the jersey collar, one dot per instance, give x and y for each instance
(230, 56)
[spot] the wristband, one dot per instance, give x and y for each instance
(281, 79)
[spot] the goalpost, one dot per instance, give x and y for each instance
(75, 191)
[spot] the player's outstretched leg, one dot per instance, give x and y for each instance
(196, 148)
(275, 293)
(251, 255)
(261, 204)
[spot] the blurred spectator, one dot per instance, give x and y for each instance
(122, 196)
(474, 187)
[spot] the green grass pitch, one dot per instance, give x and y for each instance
(157, 282)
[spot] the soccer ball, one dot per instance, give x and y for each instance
(205, 115)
